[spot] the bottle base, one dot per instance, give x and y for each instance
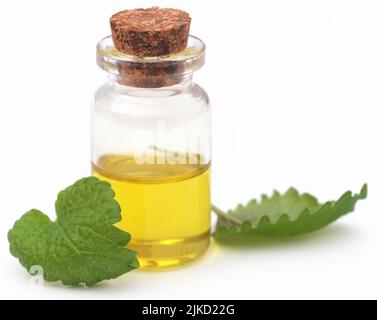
(170, 253)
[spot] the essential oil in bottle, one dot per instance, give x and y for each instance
(151, 105)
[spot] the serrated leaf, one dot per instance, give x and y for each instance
(290, 214)
(82, 246)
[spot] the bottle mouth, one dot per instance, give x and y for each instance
(150, 72)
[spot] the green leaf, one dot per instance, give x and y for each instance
(290, 214)
(82, 246)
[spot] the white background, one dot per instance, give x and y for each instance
(293, 88)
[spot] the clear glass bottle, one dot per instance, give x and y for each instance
(151, 139)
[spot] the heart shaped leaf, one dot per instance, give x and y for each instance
(82, 246)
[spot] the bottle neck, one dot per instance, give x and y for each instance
(151, 72)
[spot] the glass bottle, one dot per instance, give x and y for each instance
(151, 140)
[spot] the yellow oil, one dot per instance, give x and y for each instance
(165, 208)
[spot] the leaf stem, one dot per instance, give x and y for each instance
(221, 214)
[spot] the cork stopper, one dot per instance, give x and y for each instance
(152, 32)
